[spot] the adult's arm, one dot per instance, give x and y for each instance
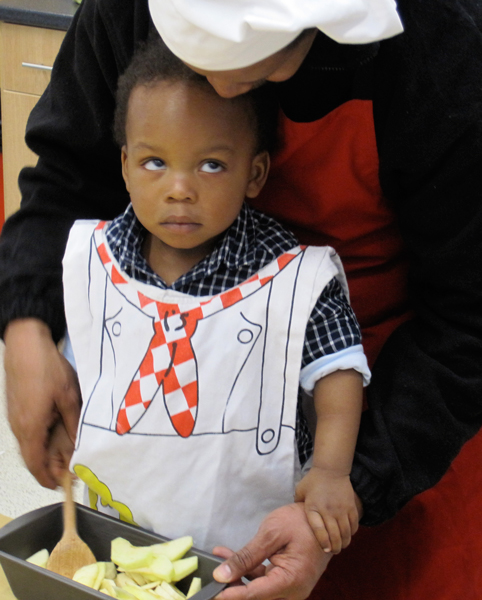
(426, 393)
(77, 176)
(42, 388)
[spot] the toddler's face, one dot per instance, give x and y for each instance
(189, 162)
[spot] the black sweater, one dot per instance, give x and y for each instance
(426, 394)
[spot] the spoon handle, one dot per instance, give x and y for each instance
(70, 525)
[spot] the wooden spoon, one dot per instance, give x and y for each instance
(71, 552)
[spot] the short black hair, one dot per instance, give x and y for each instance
(154, 62)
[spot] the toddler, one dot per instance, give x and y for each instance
(195, 320)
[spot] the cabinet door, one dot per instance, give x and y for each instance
(27, 55)
(16, 108)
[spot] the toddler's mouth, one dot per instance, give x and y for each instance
(180, 224)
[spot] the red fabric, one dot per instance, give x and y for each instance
(432, 550)
(332, 164)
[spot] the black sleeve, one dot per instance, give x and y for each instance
(425, 398)
(78, 174)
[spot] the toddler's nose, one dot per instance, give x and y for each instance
(180, 188)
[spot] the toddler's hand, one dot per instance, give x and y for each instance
(330, 507)
(60, 451)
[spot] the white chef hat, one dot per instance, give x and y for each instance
(219, 35)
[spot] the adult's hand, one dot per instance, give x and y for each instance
(297, 560)
(42, 388)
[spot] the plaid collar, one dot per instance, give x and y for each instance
(239, 246)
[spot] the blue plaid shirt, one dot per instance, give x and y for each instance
(253, 241)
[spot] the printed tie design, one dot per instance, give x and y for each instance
(169, 360)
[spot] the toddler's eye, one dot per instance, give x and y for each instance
(154, 164)
(211, 167)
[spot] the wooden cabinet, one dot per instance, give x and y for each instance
(27, 55)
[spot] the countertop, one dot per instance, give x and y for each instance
(51, 14)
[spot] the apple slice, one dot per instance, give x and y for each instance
(162, 594)
(184, 567)
(139, 579)
(159, 568)
(151, 585)
(130, 557)
(123, 594)
(172, 591)
(122, 580)
(108, 586)
(174, 549)
(100, 575)
(110, 570)
(40, 558)
(87, 575)
(141, 594)
(195, 587)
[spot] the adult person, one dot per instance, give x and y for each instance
(396, 127)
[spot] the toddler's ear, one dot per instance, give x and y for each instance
(124, 166)
(259, 173)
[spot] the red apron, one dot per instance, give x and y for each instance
(324, 185)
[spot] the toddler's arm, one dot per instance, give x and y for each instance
(326, 490)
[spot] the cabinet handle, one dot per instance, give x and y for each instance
(35, 66)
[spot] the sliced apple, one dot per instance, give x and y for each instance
(122, 580)
(172, 591)
(139, 579)
(184, 567)
(138, 572)
(100, 575)
(123, 594)
(195, 587)
(130, 557)
(40, 558)
(88, 576)
(160, 568)
(110, 570)
(141, 594)
(174, 549)
(151, 585)
(162, 594)
(108, 586)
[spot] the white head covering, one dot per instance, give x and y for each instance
(219, 35)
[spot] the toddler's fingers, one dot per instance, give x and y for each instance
(318, 526)
(345, 530)
(333, 529)
(353, 517)
(354, 522)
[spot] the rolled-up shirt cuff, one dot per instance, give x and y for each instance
(348, 358)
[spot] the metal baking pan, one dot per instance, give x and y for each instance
(42, 528)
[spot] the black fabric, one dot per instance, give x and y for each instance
(426, 393)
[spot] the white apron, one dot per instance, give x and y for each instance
(189, 403)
